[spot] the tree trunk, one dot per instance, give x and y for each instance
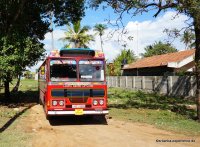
(7, 89)
(77, 44)
(197, 61)
(16, 88)
(101, 43)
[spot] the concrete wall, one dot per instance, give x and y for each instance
(170, 85)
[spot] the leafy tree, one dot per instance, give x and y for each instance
(16, 57)
(125, 57)
(77, 35)
(100, 29)
(158, 48)
(18, 16)
(190, 8)
(23, 23)
(188, 38)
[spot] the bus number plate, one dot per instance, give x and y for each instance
(78, 111)
(78, 106)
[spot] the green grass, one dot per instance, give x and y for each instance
(27, 95)
(12, 136)
(168, 113)
(27, 84)
(120, 98)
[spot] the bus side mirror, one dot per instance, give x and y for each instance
(42, 70)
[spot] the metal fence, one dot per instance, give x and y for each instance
(169, 85)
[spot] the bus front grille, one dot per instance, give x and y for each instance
(77, 93)
(78, 100)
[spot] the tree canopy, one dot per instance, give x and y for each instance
(126, 56)
(77, 35)
(188, 38)
(32, 17)
(158, 48)
(23, 24)
(100, 29)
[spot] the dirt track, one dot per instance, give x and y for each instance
(70, 132)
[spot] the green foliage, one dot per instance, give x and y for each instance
(17, 55)
(100, 29)
(158, 48)
(17, 16)
(127, 55)
(77, 35)
(23, 25)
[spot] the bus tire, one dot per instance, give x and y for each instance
(48, 117)
(101, 119)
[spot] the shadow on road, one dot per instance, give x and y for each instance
(10, 121)
(26, 99)
(77, 120)
(21, 98)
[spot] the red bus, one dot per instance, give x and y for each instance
(72, 82)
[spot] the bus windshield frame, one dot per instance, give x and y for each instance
(72, 70)
(63, 70)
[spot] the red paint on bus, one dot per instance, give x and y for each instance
(73, 84)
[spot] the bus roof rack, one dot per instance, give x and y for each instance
(76, 52)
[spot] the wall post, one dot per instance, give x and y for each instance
(143, 82)
(126, 81)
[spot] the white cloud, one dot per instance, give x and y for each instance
(144, 33)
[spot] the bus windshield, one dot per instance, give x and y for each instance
(63, 70)
(91, 70)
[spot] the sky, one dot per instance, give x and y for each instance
(144, 30)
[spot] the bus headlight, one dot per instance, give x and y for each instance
(95, 102)
(61, 103)
(54, 103)
(101, 102)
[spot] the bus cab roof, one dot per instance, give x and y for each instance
(76, 52)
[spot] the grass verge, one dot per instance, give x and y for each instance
(12, 135)
(163, 112)
(10, 132)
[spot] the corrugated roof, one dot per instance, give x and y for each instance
(160, 60)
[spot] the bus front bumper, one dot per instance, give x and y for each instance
(85, 112)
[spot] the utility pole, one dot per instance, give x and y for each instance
(137, 39)
(52, 38)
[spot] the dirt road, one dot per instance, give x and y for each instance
(72, 132)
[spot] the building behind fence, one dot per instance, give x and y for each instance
(169, 85)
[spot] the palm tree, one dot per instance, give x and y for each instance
(100, 29)
(77, 35)
(188, 39)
